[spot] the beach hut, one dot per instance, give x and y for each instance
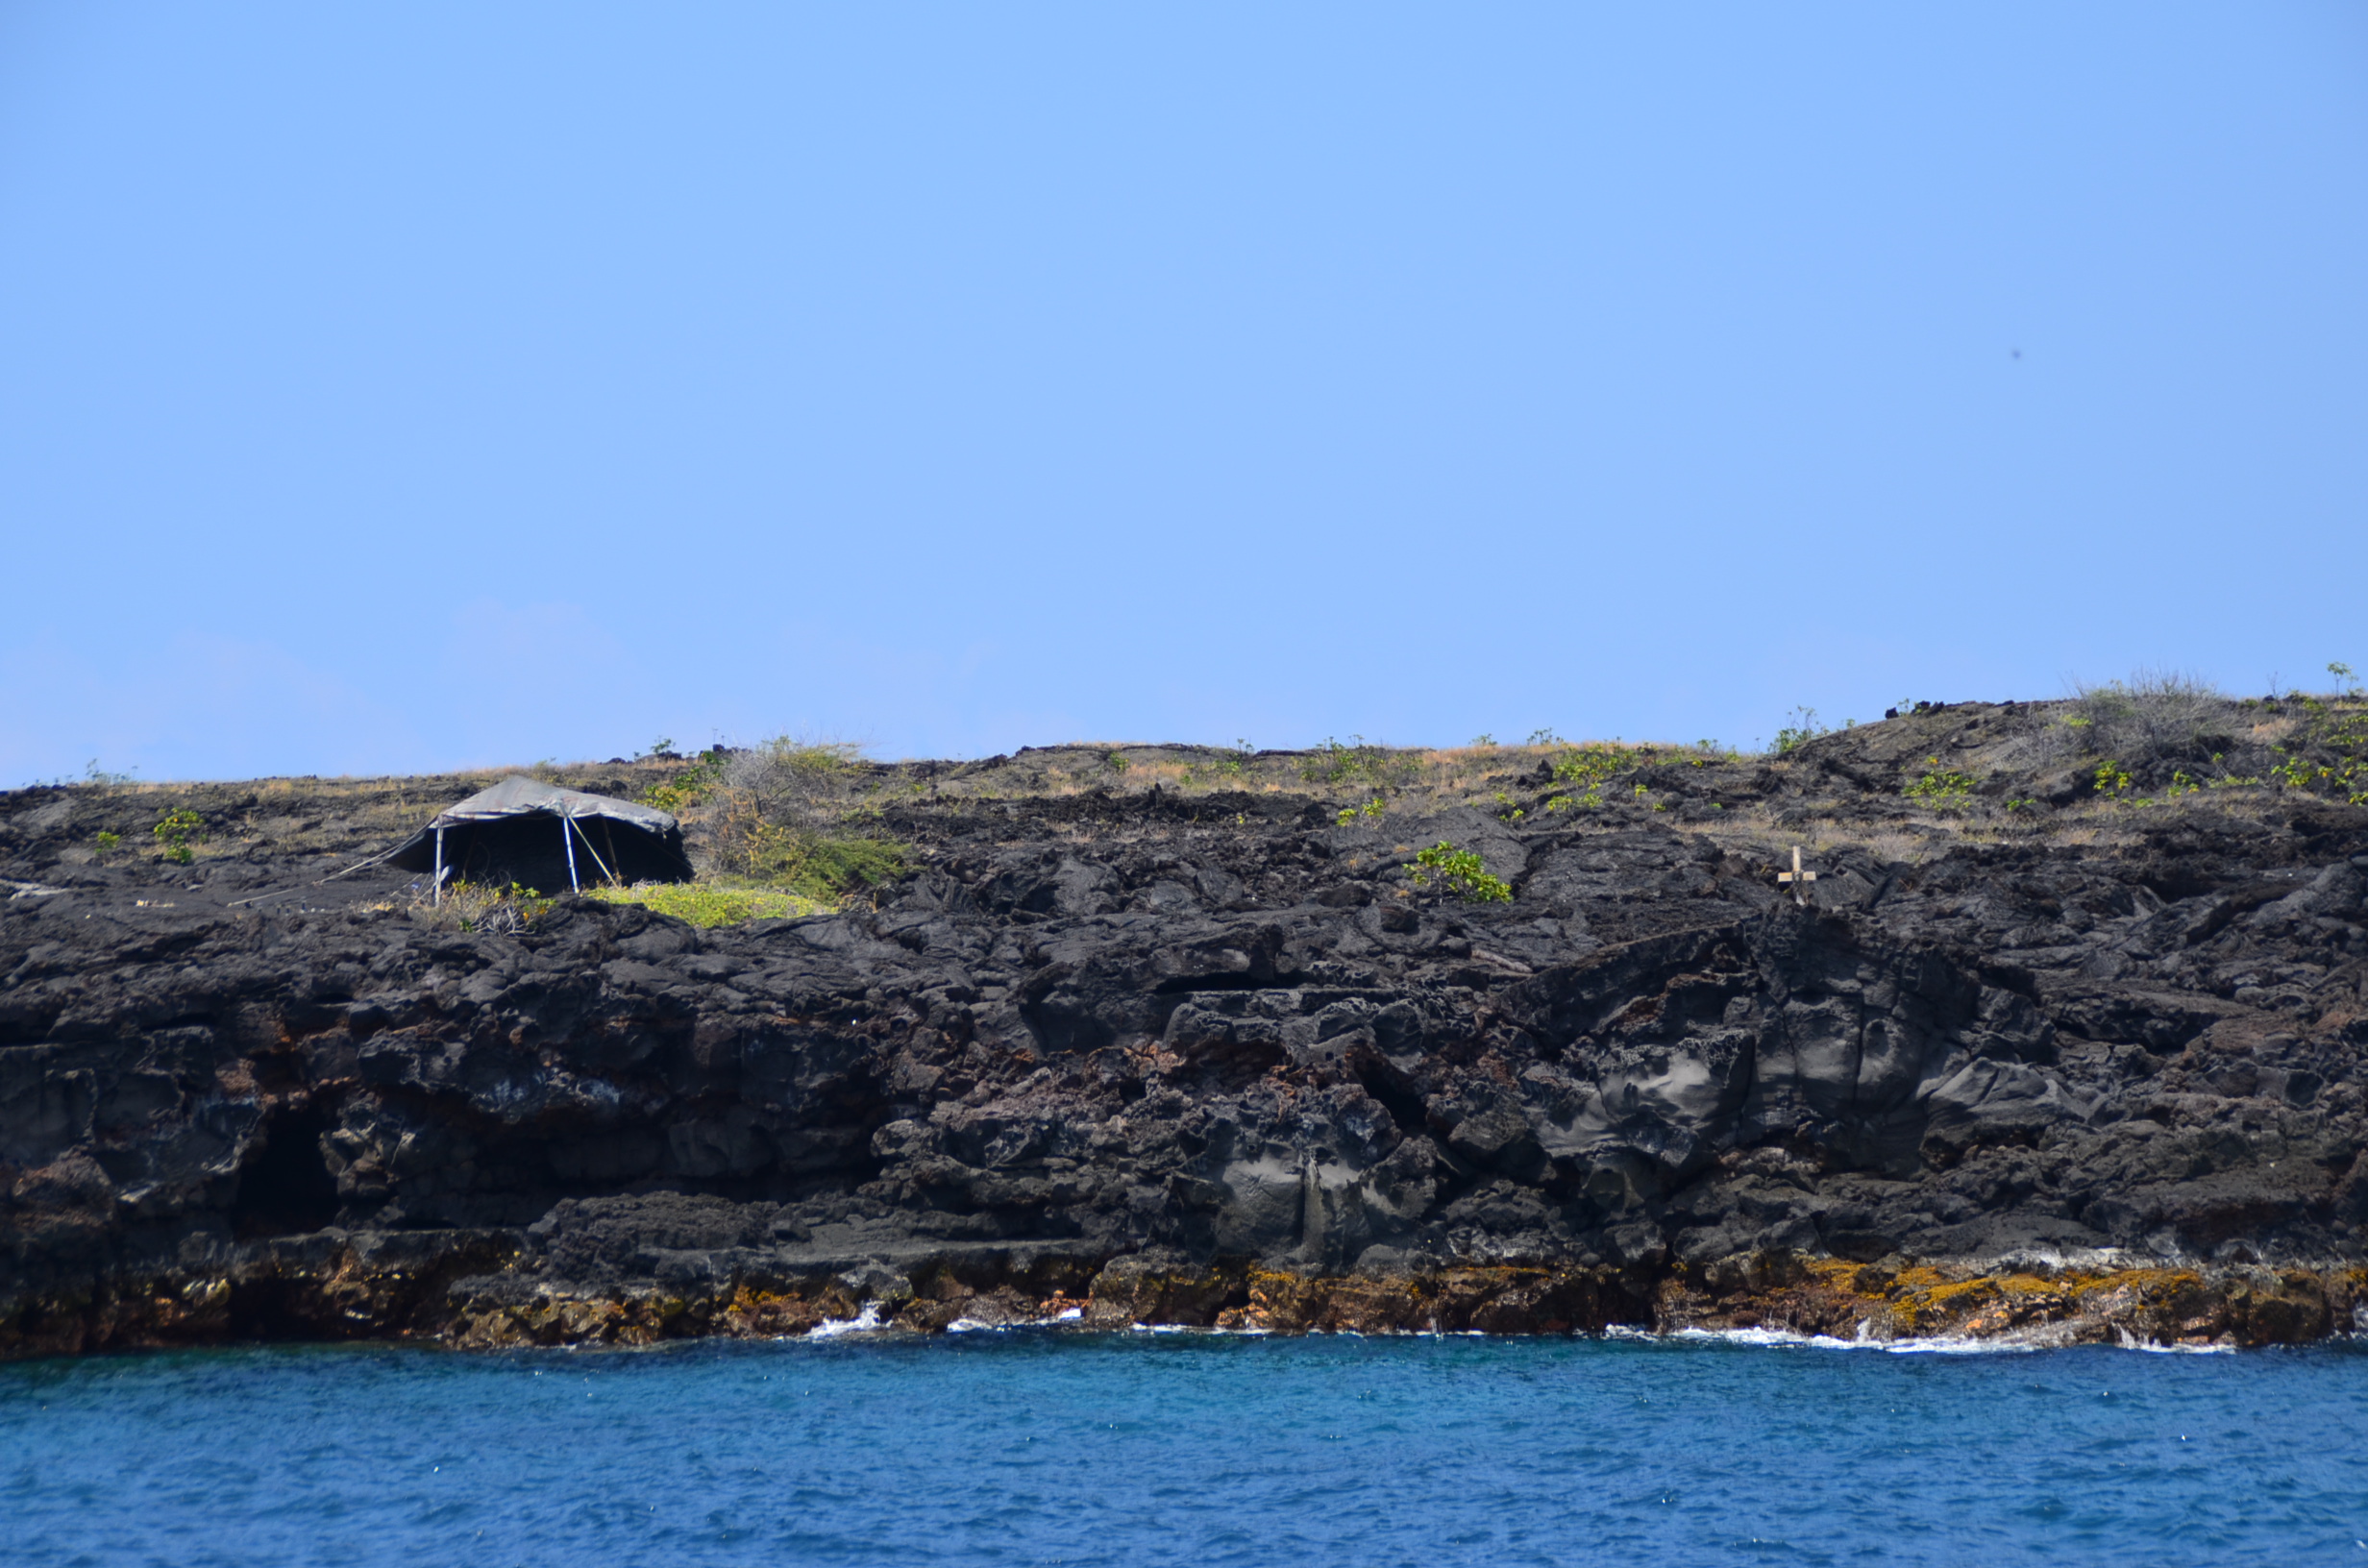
(541, 836)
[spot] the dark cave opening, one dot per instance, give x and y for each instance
(285, 1187)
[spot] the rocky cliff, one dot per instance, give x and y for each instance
(1161, 1035)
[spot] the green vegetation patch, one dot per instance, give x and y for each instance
(175, 832)
(1461, 871)
(1359, 762)
(689, 787)
(1942, 786)
(2330, 754)
(708, 905)
(1583, 771)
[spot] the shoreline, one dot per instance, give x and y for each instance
(383, 1290)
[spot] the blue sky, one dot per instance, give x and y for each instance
(405, 387)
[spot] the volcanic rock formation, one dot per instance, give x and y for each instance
(1206, 1045)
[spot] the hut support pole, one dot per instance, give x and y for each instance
(567, 836)
(437, 898)
(593, 850)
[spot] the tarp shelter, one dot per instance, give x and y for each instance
(544, 836)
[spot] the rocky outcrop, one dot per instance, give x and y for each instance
(1209, 1057)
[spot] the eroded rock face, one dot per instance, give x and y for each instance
(1128, 1058)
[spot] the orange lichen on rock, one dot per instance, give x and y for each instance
(2239, 1306)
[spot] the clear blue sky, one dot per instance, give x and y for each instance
(395, 387)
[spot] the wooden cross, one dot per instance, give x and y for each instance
(1798, 878)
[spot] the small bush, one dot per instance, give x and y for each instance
(1461, 871)
(785, 814)
(175, 832)
(2152, 723)
(689, 787)
(1805, 729)
(484, 907)
(793, 772)
(1942, 786)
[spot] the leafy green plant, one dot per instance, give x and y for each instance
(1461, 871)
(1942, 786)
(2112, 779)
(1115, 760)
(175, 832)
(105, 843)
(1545, 737)
(1372, 809)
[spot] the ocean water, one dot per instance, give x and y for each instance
(1034, 1448)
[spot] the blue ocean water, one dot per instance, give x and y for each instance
(1035, 1448)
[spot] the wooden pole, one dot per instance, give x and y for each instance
(438, 899)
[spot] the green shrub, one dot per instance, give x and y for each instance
(174, 833)
(786, 815)
(1942, 786)
(1461, 871)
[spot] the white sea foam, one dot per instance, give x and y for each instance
(2021, 1342)
(2155, 1347)
(1922, 1345)
(866, 1321)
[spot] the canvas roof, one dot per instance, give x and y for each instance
(519, 796)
